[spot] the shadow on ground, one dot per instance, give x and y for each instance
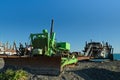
(97, 74)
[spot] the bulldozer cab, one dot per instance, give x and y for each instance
(43, 42)
(40, 41)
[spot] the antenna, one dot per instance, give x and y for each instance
(51, 29)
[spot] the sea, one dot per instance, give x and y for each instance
(116, 56)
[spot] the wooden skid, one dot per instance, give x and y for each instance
(81, 58)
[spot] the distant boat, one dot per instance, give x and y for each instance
(4, 49)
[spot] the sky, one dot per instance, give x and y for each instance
(75, 21)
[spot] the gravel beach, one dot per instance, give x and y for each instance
(85, 70)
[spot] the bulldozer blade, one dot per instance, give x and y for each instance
(44, 65)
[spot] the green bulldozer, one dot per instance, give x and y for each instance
(47, 56)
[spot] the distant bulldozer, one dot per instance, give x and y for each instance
(98, 50)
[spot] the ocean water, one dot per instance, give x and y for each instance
(116, 56)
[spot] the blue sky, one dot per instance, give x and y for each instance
(76, 21)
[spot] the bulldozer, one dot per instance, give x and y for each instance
(43, 55)
(98, 50)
